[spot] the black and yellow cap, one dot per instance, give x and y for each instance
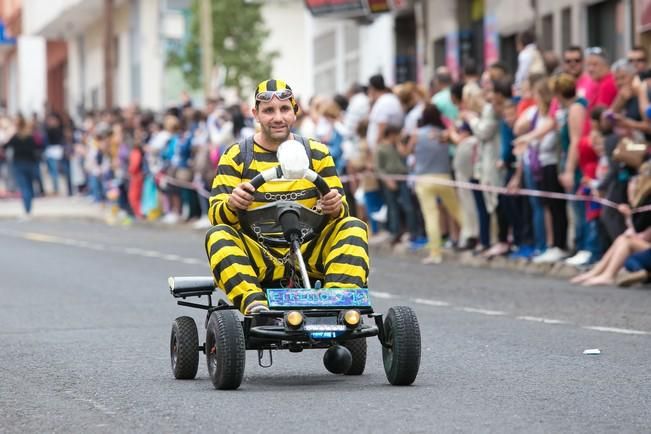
(273, 85)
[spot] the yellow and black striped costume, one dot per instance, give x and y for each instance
(338, 256)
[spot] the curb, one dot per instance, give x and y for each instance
(556, 270)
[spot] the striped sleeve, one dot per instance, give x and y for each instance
(229, 175)
(324, 165)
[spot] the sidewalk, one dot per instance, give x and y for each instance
(58, 207)
(53, 207)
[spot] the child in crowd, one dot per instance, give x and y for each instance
(390, 161)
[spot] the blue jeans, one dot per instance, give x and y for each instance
(537, 211)
(591, 240)
(25, 175)
(53, 169)
(639, 261)
(397, 201)
(374, 202)
(96, 188)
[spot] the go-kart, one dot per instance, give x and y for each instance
(300, 316)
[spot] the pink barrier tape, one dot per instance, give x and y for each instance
(188, 185)
(449, 183)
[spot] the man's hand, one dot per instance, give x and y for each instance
(241, 197)
(567, 180)
(331, 203)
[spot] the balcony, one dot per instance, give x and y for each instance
(60, 19)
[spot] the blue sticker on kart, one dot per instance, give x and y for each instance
(324, 297)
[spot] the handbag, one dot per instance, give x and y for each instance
(630, 153)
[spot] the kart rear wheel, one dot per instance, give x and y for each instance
(402, 335)
(357, 348)
(225, 350)
(184, 348)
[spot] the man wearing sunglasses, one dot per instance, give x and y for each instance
(638, 59)
(573, 65)
(338, 256)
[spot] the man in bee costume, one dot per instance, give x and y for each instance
(338, 255)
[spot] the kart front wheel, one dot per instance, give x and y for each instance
(401, 355)
(357, 348)
(225, 350)
(184, 348)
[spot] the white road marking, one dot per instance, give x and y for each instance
(151, 254)
(436, 303)
(481, 311)
(542, 320)
(171, 257)
(33, 236)
(617, 330)
(379, 294)
(193, 261)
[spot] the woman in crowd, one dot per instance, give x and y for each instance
(430, 148)
(636, 239)
(25, 160)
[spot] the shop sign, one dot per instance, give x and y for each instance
(320, 8)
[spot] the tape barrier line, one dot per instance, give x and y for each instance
(449, 183)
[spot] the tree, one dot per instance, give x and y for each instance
(238, 35)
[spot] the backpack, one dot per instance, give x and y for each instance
(246, 151)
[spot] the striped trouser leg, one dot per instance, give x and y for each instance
(239, 265)
(340, 254)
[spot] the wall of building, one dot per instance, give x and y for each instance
(377, 49)
(151, 55)
(32, 74)
(292, 62)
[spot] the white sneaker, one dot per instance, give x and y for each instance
(170, 219)
(381, 215)
(582, 257)
(202, 223)
(549, 256)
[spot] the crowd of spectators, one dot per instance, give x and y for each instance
(435, 169)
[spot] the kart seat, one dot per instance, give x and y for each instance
(191, 286)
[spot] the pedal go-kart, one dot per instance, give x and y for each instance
(300, 316)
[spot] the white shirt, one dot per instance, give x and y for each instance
(386, 110)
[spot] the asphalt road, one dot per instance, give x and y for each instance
(85, 317)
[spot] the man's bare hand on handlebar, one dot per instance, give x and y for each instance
(331, 203)
(241, 197)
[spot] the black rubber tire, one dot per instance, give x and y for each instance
(225, 350)
(357, 348)
(184, 348)
(402, 333)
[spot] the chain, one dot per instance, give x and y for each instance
(265, 249)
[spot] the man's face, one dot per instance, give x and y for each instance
(573, 63)
(596, 66)
(276, 119)
(638, 60)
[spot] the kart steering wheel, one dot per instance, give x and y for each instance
(268, 224)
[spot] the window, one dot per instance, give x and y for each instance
(324, 48)
(566, 28)
(547, 42)
(439, 52)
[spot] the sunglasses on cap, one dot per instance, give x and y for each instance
(268, 95)
(598, 51)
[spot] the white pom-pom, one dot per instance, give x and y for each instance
(293, 159)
